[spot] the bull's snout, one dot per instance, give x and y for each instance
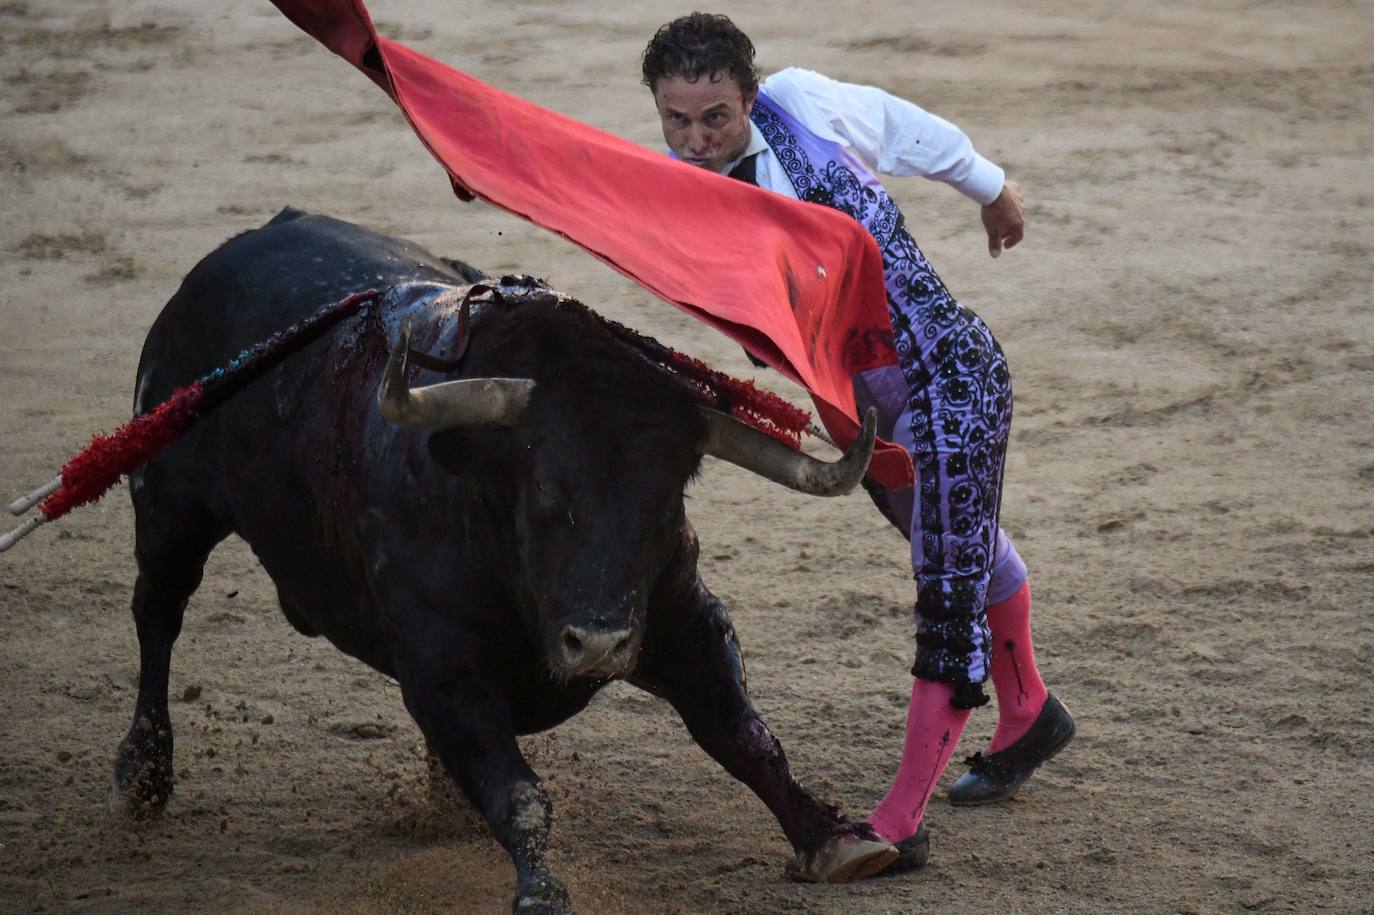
(596, 649)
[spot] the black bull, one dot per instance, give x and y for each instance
(502, 566)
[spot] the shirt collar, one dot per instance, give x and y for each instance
(757, 144)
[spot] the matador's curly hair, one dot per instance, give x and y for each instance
(698, 45)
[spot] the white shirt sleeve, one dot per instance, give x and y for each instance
(891, 134)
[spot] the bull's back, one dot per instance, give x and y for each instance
(265, 280)
(279, 463)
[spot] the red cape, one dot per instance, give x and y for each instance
(797, 284)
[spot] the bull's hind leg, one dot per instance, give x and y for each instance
(171, 549)
(691, 658)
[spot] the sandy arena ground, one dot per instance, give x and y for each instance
(1191, 479)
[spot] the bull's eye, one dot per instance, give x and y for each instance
(548, 497)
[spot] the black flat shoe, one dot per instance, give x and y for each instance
(995, 777)
(912, 853)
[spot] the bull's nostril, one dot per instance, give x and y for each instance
(572, 645)
(594, 650)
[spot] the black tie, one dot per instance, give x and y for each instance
(745, 169)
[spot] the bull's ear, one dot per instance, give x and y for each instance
(470, 449)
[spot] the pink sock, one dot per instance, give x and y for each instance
(1021, 693)
(933, 727)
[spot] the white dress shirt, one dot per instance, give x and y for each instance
(892, 135)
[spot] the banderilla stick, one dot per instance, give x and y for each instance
(99, 465)
(22, 505)
(19, 533)
(813, 429)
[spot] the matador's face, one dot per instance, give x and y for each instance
(705, 121)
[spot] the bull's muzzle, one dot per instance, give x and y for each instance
(596, 649)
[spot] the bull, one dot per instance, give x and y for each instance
(502, 541)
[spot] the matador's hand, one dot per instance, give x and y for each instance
(1005, 219)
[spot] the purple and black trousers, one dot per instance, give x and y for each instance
(948, 402)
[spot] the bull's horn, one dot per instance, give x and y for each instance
(465, 402)
(731, 440)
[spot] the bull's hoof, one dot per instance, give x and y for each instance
(542, 896)
(843, 857)
(142, 782)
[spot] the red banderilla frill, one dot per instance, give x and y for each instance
(92, 471)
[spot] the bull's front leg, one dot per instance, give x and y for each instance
(467, 722)
(691, 658)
